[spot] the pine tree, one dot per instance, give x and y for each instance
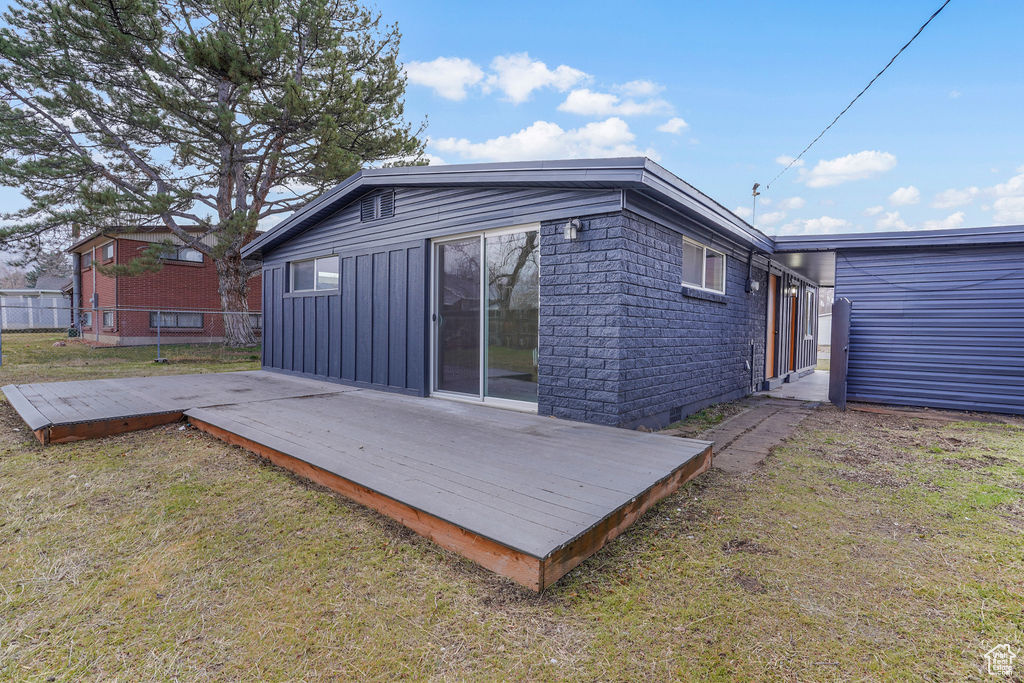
(204, 116)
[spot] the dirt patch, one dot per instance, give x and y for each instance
(896, 529)
(977, 462)
(745, 545)
(749, 583)
(874, 477)
(705, 419)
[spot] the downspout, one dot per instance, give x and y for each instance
(76, 293)
(750, 291)
(95, 296)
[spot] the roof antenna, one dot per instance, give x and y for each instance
(753, 209)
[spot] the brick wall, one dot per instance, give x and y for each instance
(622, 342)
(105, 288)
(582, 312)
(176, 286)
(686, 349)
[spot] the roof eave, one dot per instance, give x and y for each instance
(637, 173)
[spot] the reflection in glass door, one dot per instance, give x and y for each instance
(511, 330)
(485, 323)
(457, 316)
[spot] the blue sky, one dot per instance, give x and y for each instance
(719, 91)
(936, 142)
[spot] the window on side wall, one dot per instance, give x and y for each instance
(86, 260)
(108, 318)
(314, 275)
(810, 313)
(107, 251)
(87, 319)
(176, 320)
(703, 267)
(187, 254)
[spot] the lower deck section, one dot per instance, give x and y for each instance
(525, 496)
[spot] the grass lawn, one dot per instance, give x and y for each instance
(32, 357)
(868, 546)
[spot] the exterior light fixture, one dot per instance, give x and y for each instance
(572, 228)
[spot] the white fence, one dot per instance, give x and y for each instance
(34, 309)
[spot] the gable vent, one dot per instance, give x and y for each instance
(376, 206)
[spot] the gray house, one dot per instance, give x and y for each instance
(607, 291)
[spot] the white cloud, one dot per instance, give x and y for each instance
(518, 76)
(640, 88)
(874, 210)
(891, 221)
(952, 198)
(1009, 204)
(448, 76)
(792, 203)
(904, 196)
(954, 94)
(815, 226)
(951, 221)
(770, 217)
(674, 125)
(546, 140)
(785, 160)
(831, 172)
(1008, 210)
(591, 103)
(743, 212)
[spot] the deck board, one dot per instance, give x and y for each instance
(447, 459)
(526, 496)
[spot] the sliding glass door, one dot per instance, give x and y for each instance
(486, 296)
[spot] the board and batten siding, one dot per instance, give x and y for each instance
(936, 327)
(371, 331)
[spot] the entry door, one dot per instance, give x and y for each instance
(773, 287)
(486, 305)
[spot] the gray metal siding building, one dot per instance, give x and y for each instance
(936, 327)
(937, 316)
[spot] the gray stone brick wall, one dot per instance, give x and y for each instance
(622, 342)
(582, 313)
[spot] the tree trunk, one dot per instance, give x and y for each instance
(233, 287)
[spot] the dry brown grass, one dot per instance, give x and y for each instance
(867, 547)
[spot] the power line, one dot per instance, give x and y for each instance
(847, 107)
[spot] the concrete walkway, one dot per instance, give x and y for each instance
(813, 387)
(744, 440)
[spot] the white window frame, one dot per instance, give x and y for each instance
(316, 271)
(175, 325)
(87, 319)
(104, 319)
(811, 314)
(704, 267)
(103, 251)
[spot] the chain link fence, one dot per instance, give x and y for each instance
(39, 328)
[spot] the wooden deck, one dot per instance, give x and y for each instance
(525, 496)
(69, 411)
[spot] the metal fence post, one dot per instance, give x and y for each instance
(159, 358)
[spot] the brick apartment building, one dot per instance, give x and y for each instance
(126, 310)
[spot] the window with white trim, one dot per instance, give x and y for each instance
(107, 251)
(167, 319)
(86, 260)
(703, 267)
(108, 318)
(182, 253)
(87, 319)
(313, 275)
(810, 313)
